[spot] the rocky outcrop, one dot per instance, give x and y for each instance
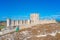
(37, 32)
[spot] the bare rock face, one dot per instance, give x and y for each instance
(37, 32)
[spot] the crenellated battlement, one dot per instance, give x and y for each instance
(34, 19)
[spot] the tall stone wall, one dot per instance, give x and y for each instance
(34, 19)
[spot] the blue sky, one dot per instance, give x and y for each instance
(21, 8)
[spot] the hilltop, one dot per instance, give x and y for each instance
(37, 32)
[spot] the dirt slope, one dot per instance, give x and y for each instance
(38, 32)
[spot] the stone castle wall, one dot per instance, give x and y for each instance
(34, 19)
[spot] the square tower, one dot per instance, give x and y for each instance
(8, 22)
(34, 17)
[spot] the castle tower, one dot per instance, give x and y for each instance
(20, 22)
(28, 22)
(13, 23)
(16, 22)
(34, 17)
(8, 22)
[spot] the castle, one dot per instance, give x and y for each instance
(34, 19)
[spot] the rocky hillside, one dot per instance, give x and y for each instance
(37, 32)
